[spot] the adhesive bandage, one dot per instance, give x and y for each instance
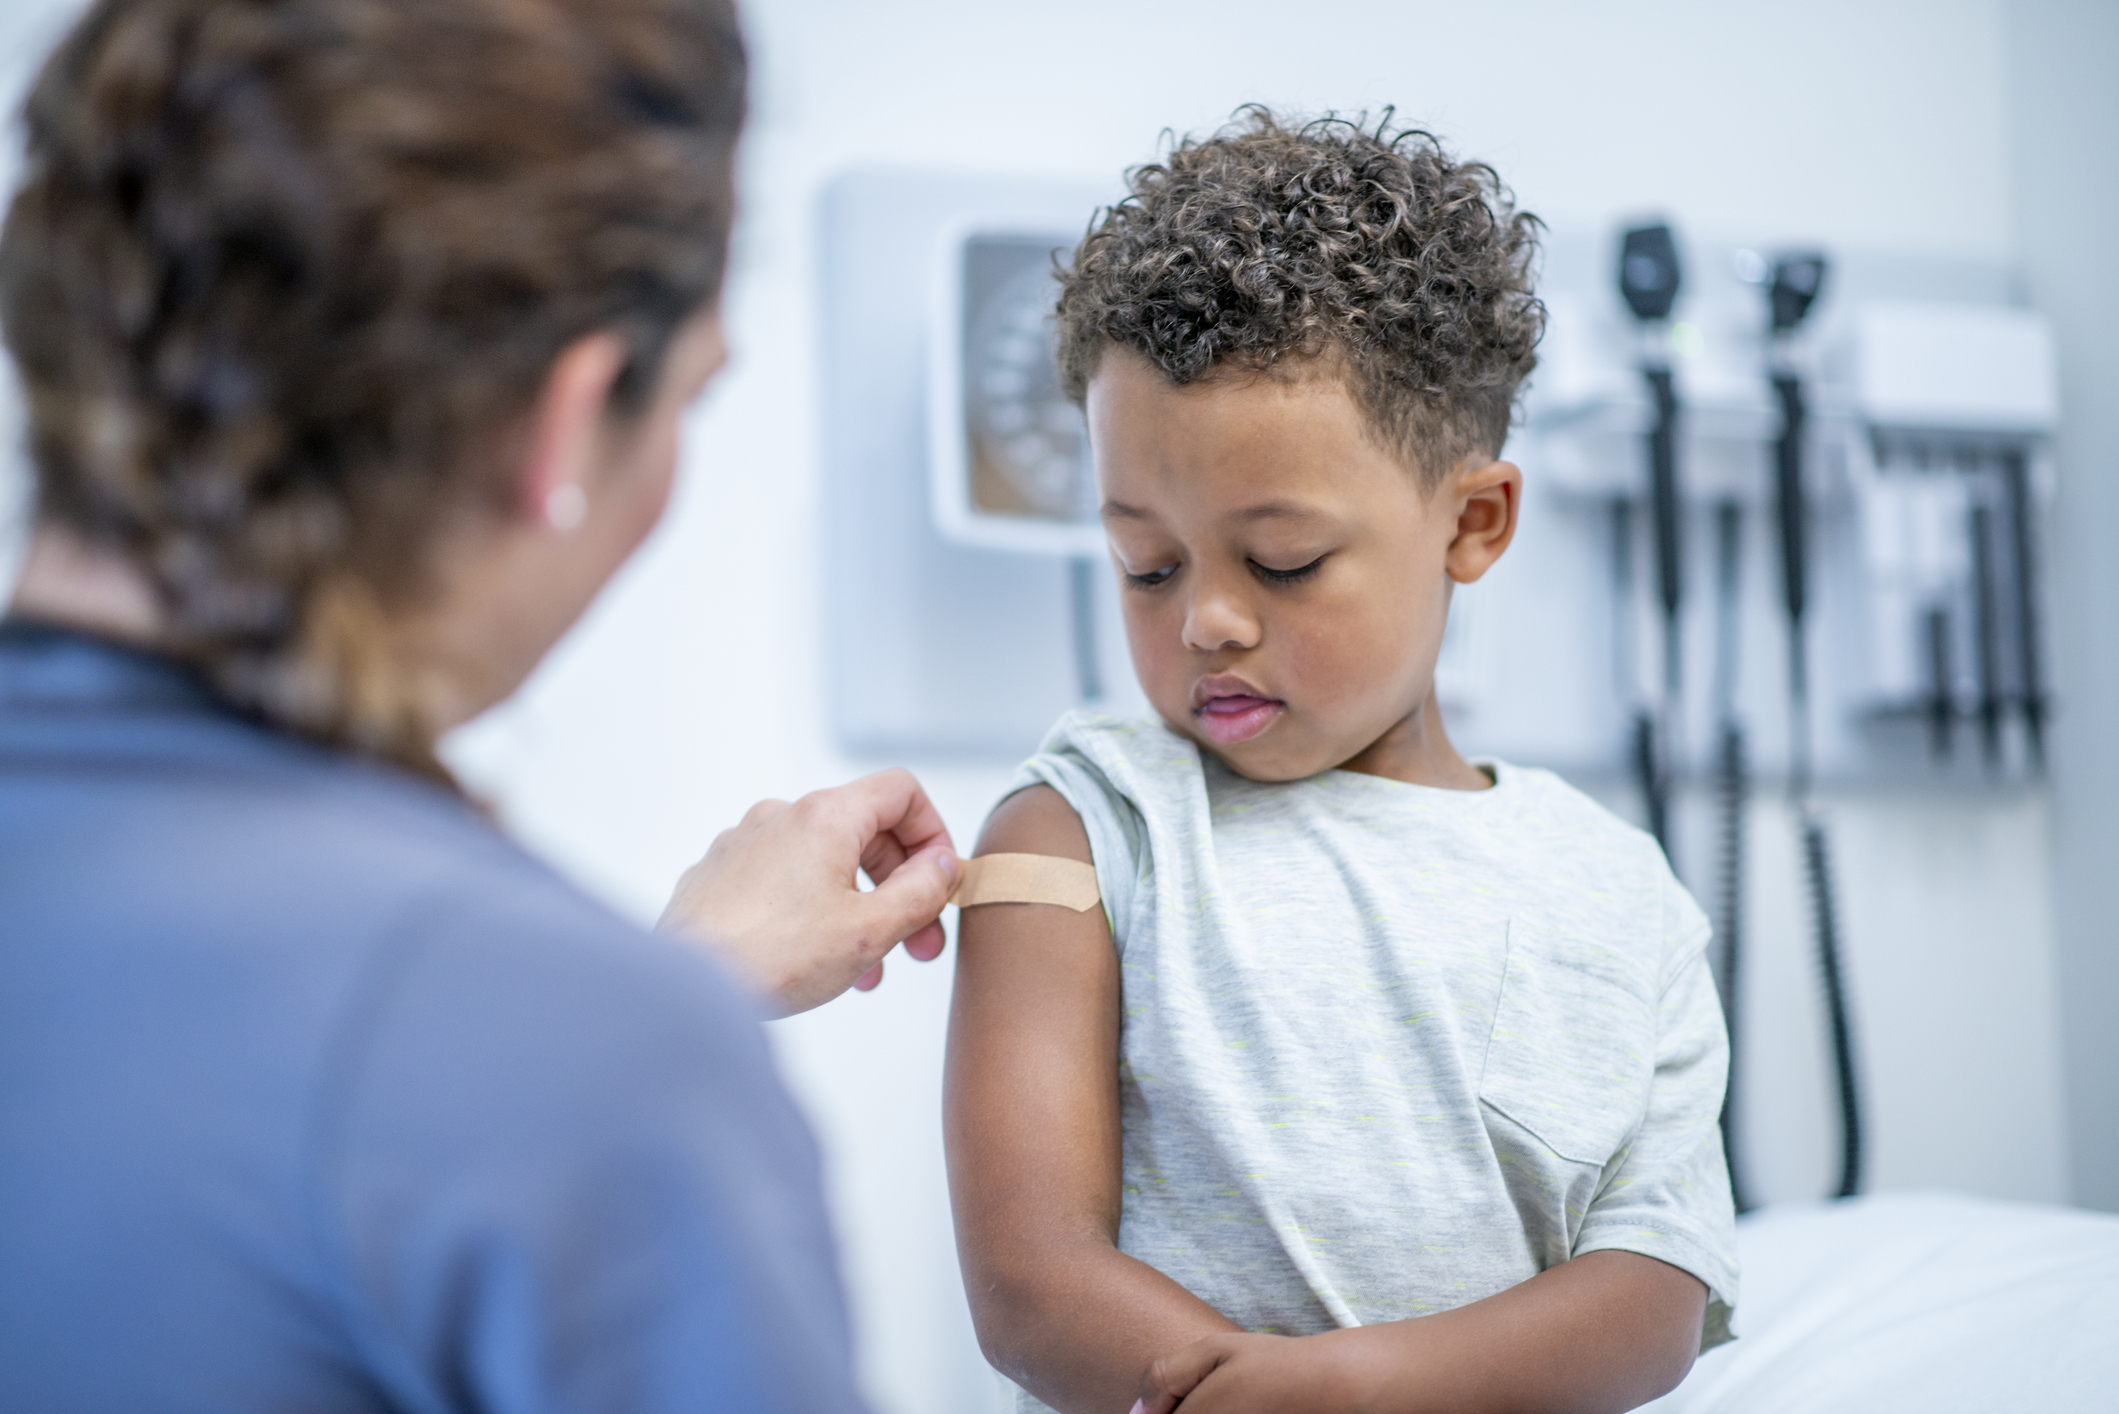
(1027, 878)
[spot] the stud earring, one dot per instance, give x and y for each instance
(565, 507)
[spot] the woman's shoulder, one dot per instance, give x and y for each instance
(160, 832)
(472, 912)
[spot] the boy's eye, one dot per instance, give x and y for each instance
(1293, 576)
(1150, 579)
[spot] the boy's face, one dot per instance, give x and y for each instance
(1285, 578)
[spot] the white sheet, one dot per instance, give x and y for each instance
(1917, 1302)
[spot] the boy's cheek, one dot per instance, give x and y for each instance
(1155, 639)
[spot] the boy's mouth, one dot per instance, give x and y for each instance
(1228, 713)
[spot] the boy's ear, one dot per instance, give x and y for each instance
(1487, 498)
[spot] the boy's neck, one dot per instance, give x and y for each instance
(1416, 749)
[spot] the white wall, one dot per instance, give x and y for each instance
(695, 686)
(2062, 55)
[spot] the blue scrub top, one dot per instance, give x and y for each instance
(316, 1094)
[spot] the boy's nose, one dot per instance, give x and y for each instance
(1219, 622)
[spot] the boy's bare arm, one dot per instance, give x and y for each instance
(1030, 1106)
(1605, 1332)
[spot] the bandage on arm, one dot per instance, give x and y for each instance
(1027, 878)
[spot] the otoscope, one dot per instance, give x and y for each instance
(1648, 280)
(1795, 285)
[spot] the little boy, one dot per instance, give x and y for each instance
(1382, 1080)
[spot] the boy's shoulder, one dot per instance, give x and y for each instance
(1549, 804)
(1588, 867)
(1104, 761)
(1111, 739)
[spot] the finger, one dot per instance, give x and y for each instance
(869, 980)
(911, 898)
(926, 944)
(1171, 1377)
(892, 802)
(883, 854)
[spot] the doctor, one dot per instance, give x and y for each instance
(356, 335)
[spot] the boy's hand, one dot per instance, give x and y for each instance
(1255, 1374)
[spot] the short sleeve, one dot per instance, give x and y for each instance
(557, 1172)
(1666, 1194)
(1112, 822)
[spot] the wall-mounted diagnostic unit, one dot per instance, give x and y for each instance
(1850, 449)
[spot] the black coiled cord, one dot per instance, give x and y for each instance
(1817, 863)
(1648, 771)
(1824, 915)
(1733, 792)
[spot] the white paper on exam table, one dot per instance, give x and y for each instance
(1917, 1302)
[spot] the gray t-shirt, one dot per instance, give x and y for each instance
(1388, 1049)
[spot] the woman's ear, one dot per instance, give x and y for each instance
(558, 464)
(1487, 498)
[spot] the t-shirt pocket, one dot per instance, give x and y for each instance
(1572, 1051)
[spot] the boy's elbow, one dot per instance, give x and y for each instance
(1667, 1357)
(1674, 1362)
(1007, 1309)
(1021, 1303)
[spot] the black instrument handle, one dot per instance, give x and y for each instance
(2016, 481)
(1986, 638)
(1788, 494)
(1648, 773)
(1663, 491)
(1942, 690)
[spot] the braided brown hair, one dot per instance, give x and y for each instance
(1265, 245)
(282, 271)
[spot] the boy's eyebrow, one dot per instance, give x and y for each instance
(1264, 510)
(1277, 510)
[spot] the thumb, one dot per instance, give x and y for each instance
(913, 895)
(1170, 1378)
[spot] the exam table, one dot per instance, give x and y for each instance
(1927, 1302)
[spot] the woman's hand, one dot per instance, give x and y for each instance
(778, 897)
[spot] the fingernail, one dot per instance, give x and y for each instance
(1138, 1407)
(951, 868)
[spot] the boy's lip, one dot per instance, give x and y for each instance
(1229, 709)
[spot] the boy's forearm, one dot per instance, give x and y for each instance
(1603, 1333)
(1080, 1332)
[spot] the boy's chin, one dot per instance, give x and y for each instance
(1263, 758)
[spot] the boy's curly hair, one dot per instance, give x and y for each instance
(1265, 244)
